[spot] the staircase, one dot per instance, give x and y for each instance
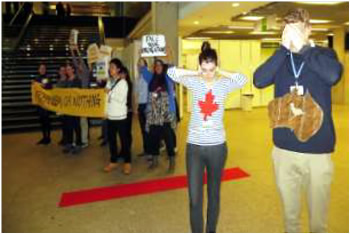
(45, 40)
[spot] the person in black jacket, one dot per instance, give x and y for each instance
(44, 115)
(299, 64)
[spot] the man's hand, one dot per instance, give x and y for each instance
(286, 39)
(297, 36)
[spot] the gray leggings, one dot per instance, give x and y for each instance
(213, 159)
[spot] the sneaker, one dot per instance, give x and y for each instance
(104, 143)
(142, 154)
(47, 141)
(84, 145)
(76, 149)
(127, 168)
(110, 167)
(67, 149)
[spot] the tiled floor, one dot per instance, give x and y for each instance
(34, 177)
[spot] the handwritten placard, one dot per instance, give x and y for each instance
(153, 45)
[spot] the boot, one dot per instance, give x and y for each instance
(171, 168)
(154, 162)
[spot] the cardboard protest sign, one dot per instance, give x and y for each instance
(153, 45)
(73, 37)
(93, 53)
(105, 51)
(102, 67)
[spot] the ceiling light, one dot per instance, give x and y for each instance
(271, 39)
(196, 22)
(320, 29)
(262, 33)
(347, 23)
(220, 32)
(241, 27)
(319, 3)
(319, 21)
(235, 4)
(252, 18)
(198, 38)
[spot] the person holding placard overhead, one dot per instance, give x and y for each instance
(299, 67)
(161, 116)
(206, 142)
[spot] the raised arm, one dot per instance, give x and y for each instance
(185, 77)
(324, 62)
(265, 74)
(234, 80)
(146, 74)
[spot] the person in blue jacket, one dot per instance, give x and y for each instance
(161, 111)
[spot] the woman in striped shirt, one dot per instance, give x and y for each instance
(206, 143)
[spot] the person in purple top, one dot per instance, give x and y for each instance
(44, 115)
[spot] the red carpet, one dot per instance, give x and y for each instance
(138, 188)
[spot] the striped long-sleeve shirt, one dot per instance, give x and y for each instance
(206, 125)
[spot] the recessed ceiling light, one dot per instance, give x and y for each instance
(236, 4)
(319, 21)
(198, 38)
(330, 34)
(347, 23)
(196, 22)
(252, 18)
(220, 32)
(320, 29)
(271, 39)
(262, 33)
(240, 27)
(319, 3)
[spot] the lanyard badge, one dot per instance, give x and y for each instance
(296, 73)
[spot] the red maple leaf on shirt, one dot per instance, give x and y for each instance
(208, 107)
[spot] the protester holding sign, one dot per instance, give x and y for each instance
(72, 123)
(83, 73)
(161, 117)
(206, 143)
(44, 115)
(61, 83)
(117, 91)
(300, 70)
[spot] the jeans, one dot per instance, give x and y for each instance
(198, 158)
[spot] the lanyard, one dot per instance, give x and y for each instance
(296, 73)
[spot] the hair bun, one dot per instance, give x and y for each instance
(205, 46)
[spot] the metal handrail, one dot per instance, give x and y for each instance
(101, 30)
(23, 30)
(17, 14)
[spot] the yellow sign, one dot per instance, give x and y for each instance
(70, 101)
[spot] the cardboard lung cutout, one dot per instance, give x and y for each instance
(302, 114)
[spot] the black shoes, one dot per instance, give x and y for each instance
(171, 168)
(154, 162)
(44, 141)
